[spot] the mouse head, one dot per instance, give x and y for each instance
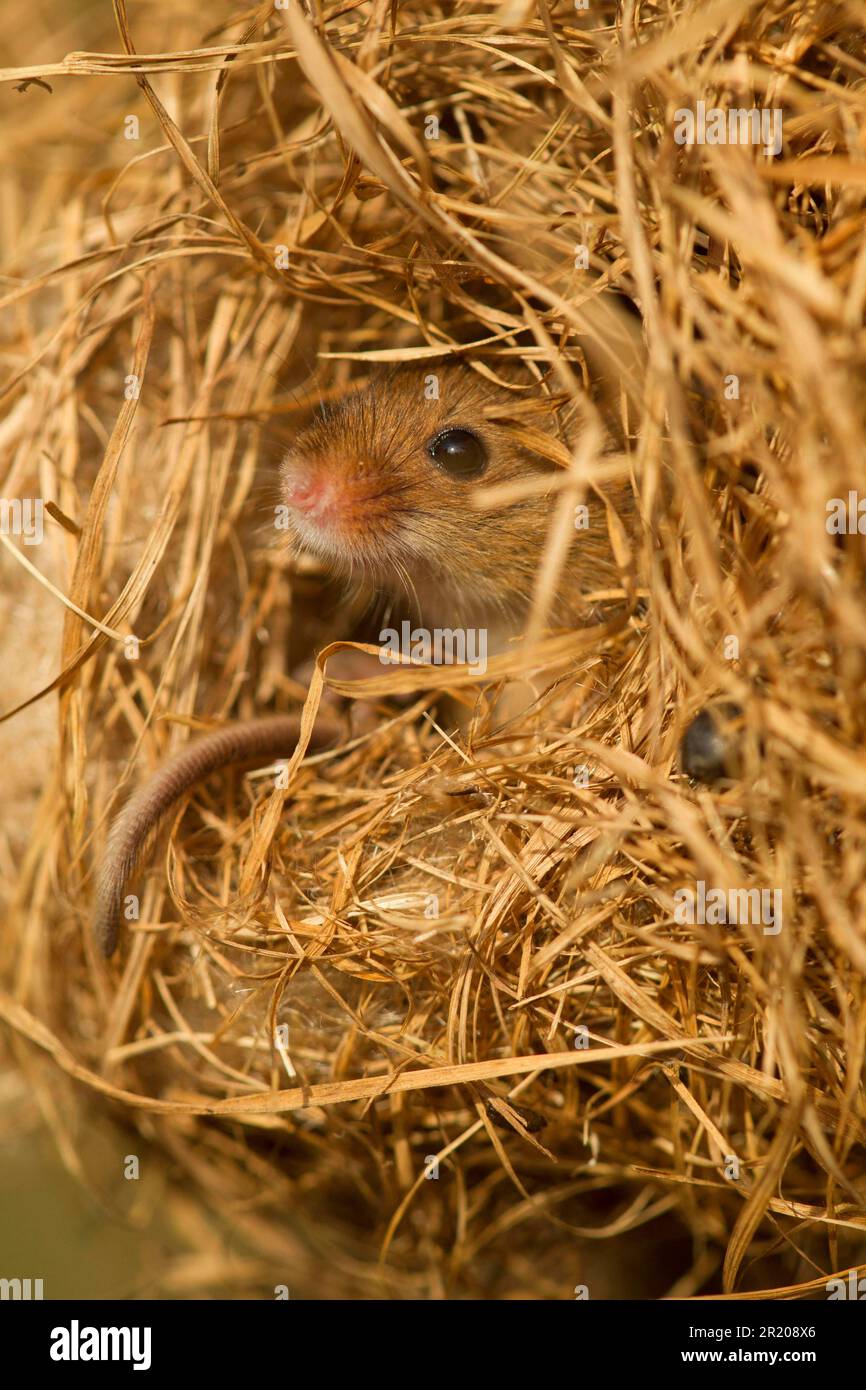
(380, 487)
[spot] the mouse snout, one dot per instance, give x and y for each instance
(312, 496)
(334, 511)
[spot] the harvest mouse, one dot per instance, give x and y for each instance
(378, 486)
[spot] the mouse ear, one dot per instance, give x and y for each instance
(459, 453)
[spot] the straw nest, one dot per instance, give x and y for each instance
(475, 954)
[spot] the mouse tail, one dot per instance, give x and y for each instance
(257, 739)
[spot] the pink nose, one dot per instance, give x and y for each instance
(311, 495)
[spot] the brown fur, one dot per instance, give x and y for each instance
(402, 523)
(407, 526)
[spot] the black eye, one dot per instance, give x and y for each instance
(459, 453)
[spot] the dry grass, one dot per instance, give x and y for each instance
(407, 1033)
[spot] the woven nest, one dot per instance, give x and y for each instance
(428, 1021)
